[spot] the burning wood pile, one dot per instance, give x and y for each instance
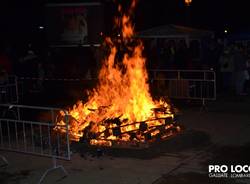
(120, 110)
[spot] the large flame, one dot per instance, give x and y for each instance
(121, 98)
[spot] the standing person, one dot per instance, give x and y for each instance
(172, 54)
(226, 69)
(29, 63)
(50, 68)
(240, 69)
(247, 75)
(182, 55)
(40, 75)
(5, 65)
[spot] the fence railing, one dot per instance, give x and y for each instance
(56, 88)
(185, 84)
(9, 90)
(30, 130)
(180, 84)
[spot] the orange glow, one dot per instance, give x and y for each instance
(188, 2)
(121, 103)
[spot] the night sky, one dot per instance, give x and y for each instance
(20, 18)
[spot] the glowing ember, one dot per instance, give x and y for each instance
(120, 108)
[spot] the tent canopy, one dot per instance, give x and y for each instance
(174, 31)
(240, 36)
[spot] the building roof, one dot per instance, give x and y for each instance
(174, 31)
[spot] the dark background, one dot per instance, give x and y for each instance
(20, 19)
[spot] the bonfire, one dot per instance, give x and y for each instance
(120, 109)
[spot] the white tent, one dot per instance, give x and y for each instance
(175, 32)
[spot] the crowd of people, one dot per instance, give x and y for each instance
(231, 62)
(234, 65)
(172, 54)
(39, 63)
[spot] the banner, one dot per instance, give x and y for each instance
(79, 23)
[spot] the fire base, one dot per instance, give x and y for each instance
(163, 135)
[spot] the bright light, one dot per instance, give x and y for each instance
(188, 2)
(225, 31)
(41, 27)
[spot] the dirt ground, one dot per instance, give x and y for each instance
(217, 136)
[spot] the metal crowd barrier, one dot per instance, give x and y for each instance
(185, 84)
(9, 90)
(28, 85)
(30, 130)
